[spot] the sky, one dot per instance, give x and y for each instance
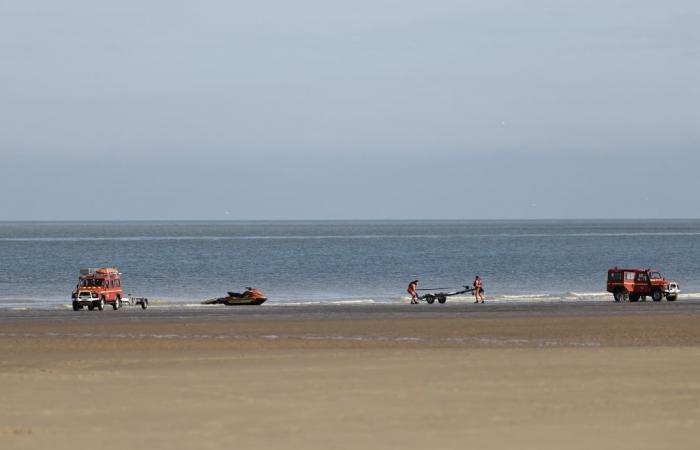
(322, 110)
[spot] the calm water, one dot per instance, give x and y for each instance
(308, 262)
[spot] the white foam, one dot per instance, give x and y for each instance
(588, 294)
(353, 302)
(298, 303)
(337, 302)
(524, 296)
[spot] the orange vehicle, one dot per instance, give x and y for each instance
(97, 288)
(635, 284)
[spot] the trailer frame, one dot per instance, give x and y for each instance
(441, 297)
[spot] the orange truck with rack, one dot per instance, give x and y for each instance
(97, 288)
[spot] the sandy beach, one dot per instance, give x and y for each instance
(500, 376)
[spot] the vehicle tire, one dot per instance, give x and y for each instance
(621, 295)
(430, 299)
(91, 307)
(101, 304)
(657, 295)
(671, 297)
(634, 297)
(442, 299)
(144, 303)
(117, 303)
(77, 306)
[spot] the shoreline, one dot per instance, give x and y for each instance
(603, 302)
(9, 304)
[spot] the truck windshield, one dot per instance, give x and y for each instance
(655, 275)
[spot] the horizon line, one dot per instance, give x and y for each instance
(560, 219)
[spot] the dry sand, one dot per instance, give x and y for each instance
(617, 382)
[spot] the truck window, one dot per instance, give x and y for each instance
(615, 276)
(629, 276)
(642, 277)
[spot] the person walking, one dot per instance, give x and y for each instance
(412, 290)
(478, 290)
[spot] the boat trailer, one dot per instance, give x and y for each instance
(440, 296)
(131, 300)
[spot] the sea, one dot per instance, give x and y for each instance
(180, 264)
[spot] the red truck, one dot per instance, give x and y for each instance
(98, 287)
(636, 284)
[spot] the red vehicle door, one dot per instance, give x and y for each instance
(629, 281)
(642, 284)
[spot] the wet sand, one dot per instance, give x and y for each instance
(379, 376)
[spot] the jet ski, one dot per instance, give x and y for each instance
(251, 296)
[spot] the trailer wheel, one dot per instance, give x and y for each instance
(430, 299)
(117, 303)
(144, 303)
(657, 295)
(442, 299)
(621, 295)
(101, 304)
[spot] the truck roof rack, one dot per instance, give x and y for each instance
(100, 271)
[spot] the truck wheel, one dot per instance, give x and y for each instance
(657, 295)
(430, 299)
(77, 306)
(101, 304)
(442, 299)
(671, 297)
(621, 295)
(117, 303)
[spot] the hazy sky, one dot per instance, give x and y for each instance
(349, 110)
